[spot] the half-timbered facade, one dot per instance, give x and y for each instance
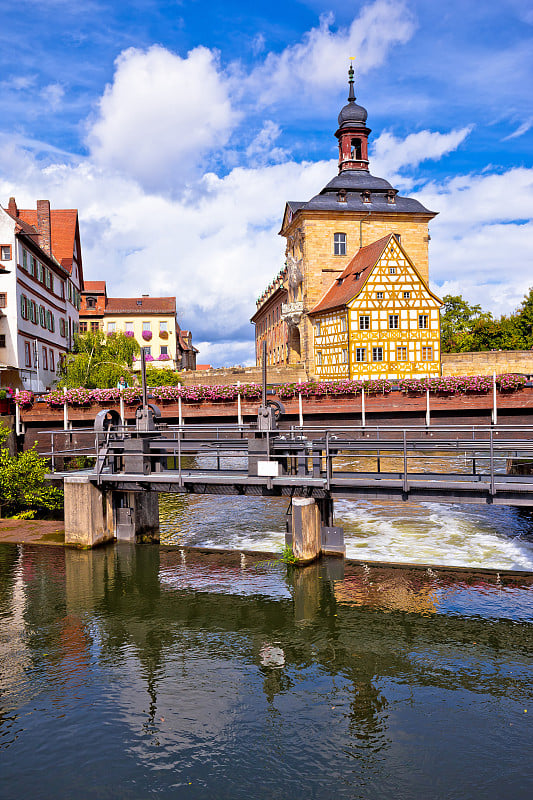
(323, 235)
(379, 319)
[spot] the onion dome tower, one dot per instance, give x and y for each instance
(352, 133)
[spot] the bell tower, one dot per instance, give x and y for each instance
(352, 133)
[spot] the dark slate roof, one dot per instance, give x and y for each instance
(354, 182)
(352, 114)
(294, 205)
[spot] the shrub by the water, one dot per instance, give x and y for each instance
(24, 493)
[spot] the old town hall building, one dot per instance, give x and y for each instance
(353, 299)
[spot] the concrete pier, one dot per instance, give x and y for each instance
(88, 513)
(94, 515)
(306, 536)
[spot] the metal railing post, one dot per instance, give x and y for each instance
(492, 490)
(65, 409)
(300, 407)
(329, 466)
(494, 400)
(239, 407)
(363, 414)
(405, 488)
(53, 452)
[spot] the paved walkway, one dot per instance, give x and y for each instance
(32, 531)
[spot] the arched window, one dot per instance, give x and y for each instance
(356, 150)
(91, 302)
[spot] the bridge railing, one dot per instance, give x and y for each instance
(464, 452)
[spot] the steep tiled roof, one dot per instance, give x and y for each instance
(141, 305)
(96, 287)
(63, 231)
(349, 284)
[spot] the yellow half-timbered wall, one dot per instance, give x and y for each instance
(393, 326)
(332, 345)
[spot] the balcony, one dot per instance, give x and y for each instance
(291, 313)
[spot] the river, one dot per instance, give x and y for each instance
(497, 537)
(136, 672)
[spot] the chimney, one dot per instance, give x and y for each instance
(43, 225)
(12, 207)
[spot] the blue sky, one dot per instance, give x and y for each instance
(179, 129)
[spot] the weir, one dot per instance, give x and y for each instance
(117, 499)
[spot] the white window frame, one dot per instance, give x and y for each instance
(377, 351)
(401, 350)
(339, 244)
(394, 321)
(427, 350)
(423, 321)
(364, 326)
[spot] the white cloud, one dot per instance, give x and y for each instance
(261, 149)
(391, 155)
(53, 96)
(155, 217)
(323, 53)
(161, 116)
(482, 240)
(523, 128)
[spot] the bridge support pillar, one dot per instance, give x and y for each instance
(306, 537)
(136, 516)
(312, 532)
(88, 513)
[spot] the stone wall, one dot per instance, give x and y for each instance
(488, 361)
(231, 375)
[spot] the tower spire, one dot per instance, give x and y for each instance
(351, 95)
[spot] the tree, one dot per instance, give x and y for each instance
(156, 376)
(524, 320)
(98, 361)
(457, 318)
(23, 489)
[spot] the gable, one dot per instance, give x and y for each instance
(393, 274)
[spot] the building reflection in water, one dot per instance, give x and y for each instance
(196, 652)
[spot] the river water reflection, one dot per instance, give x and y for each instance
(132, 672)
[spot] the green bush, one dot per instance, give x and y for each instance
(23, 489)
(156, 376)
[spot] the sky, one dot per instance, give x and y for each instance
(180, 128)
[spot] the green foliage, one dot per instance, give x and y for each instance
(23, 489)
(156, 376)
(3, 394)
(287, 556)
(467, 328)
(98, 361)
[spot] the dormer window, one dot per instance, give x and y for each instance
(342, 195)
(91, 302)
(366, 196)
(391, 196)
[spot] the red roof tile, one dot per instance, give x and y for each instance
(63, 223)
(96, 287)
(349, 284)
(148, 305)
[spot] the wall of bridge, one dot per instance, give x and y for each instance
(488, 361)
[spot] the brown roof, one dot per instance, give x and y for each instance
(96, 287)
(141, 305)
(351, 281)
(63, 224)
